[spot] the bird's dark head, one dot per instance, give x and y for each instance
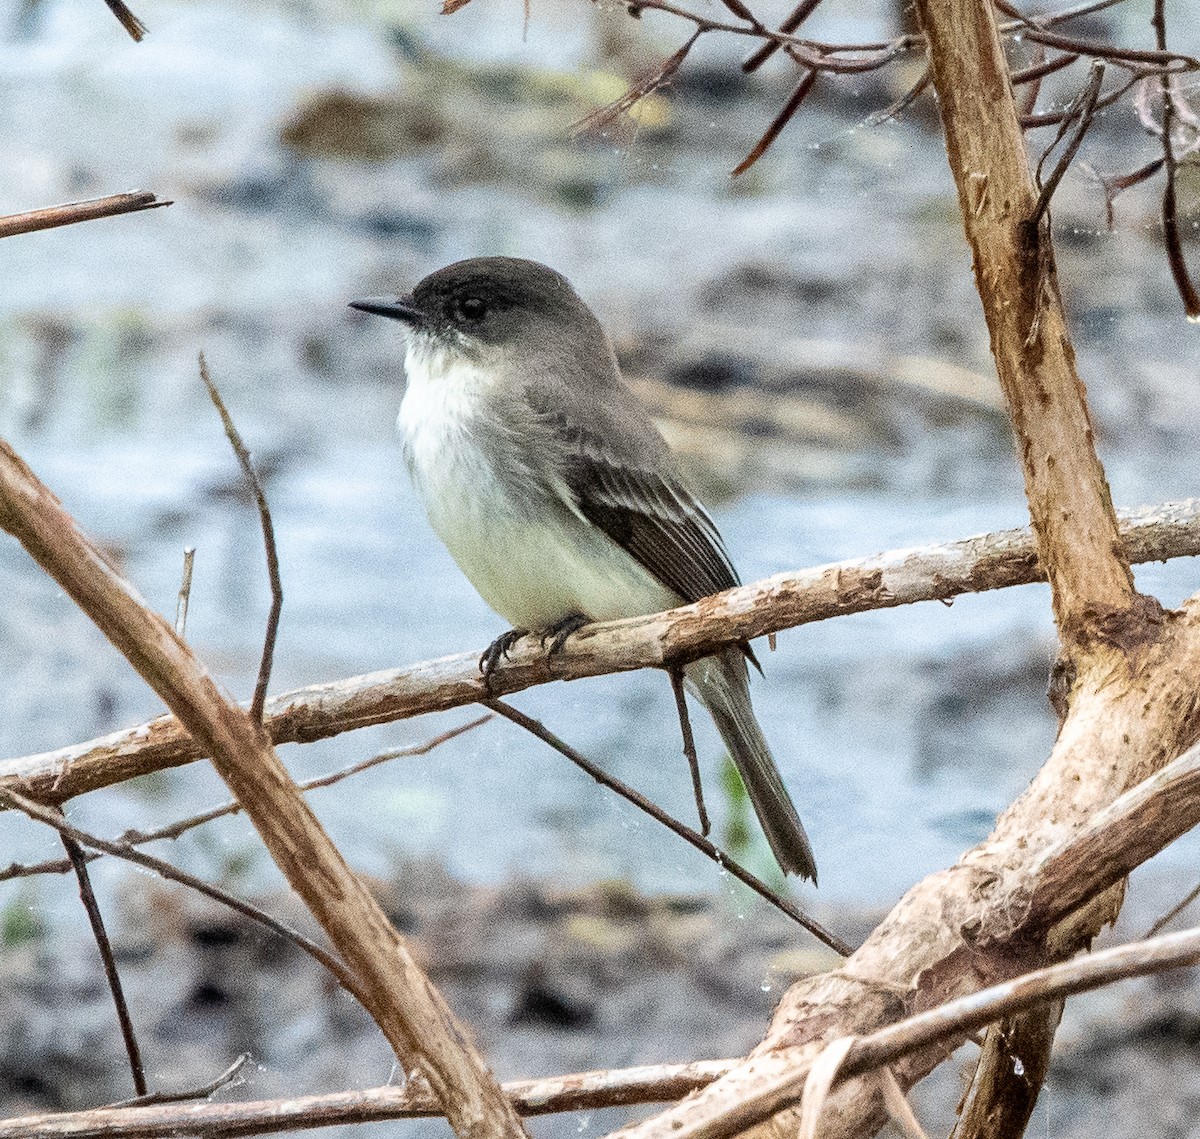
(496, 302)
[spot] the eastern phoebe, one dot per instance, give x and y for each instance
(552, 489)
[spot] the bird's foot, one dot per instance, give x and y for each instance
(498, 649)
(558, 633)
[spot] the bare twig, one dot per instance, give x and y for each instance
(1174, 911)
(689, 747)
(185, 590)
(684, 832)
(53, 818)
(181, 826)
(1170, 221)
(268, 534)
(791, 22)
(1083, 108)
(780, 121)
(53, 216)
(136, 29)
(898, 577)
(580, 1091)
(227, 1077)
(104, 946)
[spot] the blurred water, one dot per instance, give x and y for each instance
(900, 733)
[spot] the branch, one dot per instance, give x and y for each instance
(584, 1091)
(899, 577)
(389, 982)
(54, 216)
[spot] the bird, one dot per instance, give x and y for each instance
(549, 484)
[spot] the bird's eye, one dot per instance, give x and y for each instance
(471, 308)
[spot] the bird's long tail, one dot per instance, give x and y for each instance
(722, 684)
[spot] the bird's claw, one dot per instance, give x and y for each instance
(557, 634)
(498, 649)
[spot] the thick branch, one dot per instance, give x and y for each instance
(899, 577)
(977, 923)
(390, 983)
(1015, 275)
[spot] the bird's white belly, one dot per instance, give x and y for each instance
(530, 557)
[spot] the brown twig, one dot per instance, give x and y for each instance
(685, 832)
(1170, 221)
(689, 747)
(780, 121)
(1174, 911)
(268, 535)
(52, 216)
(136, 29)
(791, 22)
(882, 581)
(580, 1091)
(1082, 109)
(96, 920)
(181, 826)
(52, 817)
(227, 1077)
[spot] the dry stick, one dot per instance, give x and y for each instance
(580, 1091)
(881, 581)
(136, 29)
(203, 1092)
(181, 826)
(268, 535)
(1174, 911)
(1084, 106)
(671, 823)
(392, 987)
(791, 22)
(73, 212)
(689, 747)
(88, 897)
(780, 121)
(1170, 221)
(52, 817)
(185, 591)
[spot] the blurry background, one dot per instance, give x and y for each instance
(809, 335)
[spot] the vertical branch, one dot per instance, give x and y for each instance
(1069, 502)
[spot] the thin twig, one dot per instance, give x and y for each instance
(1084, 107)
(49, 816)
(53, 216)
(685, 832)
(1174, 911)
(181, 826)
(185, 590)
(268, 533)
(203, 1092)
(136, 29)
(689, 747)
(792, 21)
(780, 121)
(92, 907)
(1170, 221)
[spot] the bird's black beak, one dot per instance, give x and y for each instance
(398, 308)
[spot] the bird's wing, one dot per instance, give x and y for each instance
(639, 500)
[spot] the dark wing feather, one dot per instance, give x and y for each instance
(650, 513)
